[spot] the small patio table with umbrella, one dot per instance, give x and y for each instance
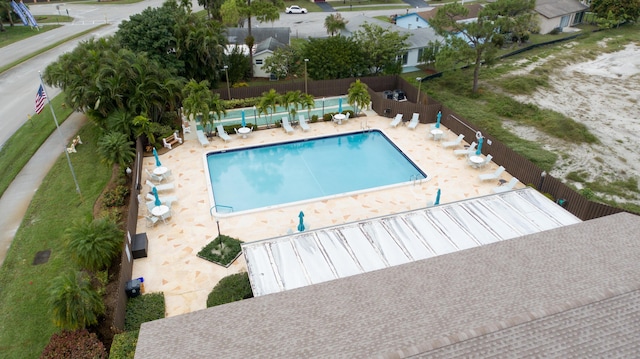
(301, 223)
(155, 154)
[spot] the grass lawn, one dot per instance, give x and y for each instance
(19, 149)
(25, 322)
(21, 32)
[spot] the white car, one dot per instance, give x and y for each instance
(295, 9)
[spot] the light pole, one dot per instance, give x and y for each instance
(226, 72)
(305, 76)
(542, 176)
(419, 86)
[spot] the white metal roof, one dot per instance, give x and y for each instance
(312, 257)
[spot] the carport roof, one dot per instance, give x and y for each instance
(322, 255)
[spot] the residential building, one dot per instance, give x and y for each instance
(266, 41)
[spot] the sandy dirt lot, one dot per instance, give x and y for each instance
(604, 95)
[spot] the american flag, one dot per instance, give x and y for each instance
(40, 97)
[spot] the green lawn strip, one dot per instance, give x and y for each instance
(50, 19)
(20, 147)
(25, 321)
(370, 8)
(49, 47)
(20, 32)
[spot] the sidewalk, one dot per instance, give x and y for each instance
(16, 199)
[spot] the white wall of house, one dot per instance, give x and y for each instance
(411, 21)
(258, 62)
(547, 25)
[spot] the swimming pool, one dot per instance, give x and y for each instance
(252, 178)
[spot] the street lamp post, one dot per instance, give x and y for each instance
(305, 76)
(542, 176)
(419, 86)
(226, 72)
(255, 121)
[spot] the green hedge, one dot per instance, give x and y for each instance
(144, 308)
(223, 250)
(124, 345)
(230, 289)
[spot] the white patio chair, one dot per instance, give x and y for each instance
(414, 121)
(303, 124)
(286, 125)
(222, 133)
(161, 187)
(154, 177)
(466, 151)
(166, 216)
(506, 187)
(151, 220)
(396, 120)
(486, 161)
(491, 176)
(453, 143)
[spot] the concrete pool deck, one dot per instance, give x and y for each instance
(171, 265)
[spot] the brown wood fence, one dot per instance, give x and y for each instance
(428, 108)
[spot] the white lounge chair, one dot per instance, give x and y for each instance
(286, 125)
(506, 187)
(414, 121)
(396, 120)
(154, 177)
(168, 200)
(222, 133)
(186, 127)
(303, 124)
(202, 138)
(491, 176)
(466, 151)
(453, 143)
(161, 187)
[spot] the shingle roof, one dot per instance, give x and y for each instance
(418, 38)
(270, 44)
(555, 8)
(236, 35)
(572, 291)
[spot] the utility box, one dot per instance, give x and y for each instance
(132, 288)
(139, 246)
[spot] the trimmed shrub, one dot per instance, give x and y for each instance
(124, 345)
(78, 344)
(142, 309)
(223, 250)
(230, 289)
(116, 197)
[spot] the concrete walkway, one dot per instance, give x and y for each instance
(16, 199)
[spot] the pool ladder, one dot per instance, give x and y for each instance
(364, 125)
(217, 207)
(415, 179)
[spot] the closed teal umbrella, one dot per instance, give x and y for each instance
(301, 224)
(340, 105)
(244, 123)
(155, 154)
(438, 117)
(437, 202)
(479, 150)
(155, 194)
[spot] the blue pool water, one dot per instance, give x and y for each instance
(264, 176)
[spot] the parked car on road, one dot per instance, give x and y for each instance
(295, 9)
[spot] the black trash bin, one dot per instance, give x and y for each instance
(133, 288)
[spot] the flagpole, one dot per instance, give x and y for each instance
(64, 148)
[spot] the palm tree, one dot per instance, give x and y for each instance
(217, 109)
(358, 96)
(334, 23)
(74, 303)
(197, 97)
(294, 99)
(94, 243)
(269, 101)
(116, 148)
(308, 102)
